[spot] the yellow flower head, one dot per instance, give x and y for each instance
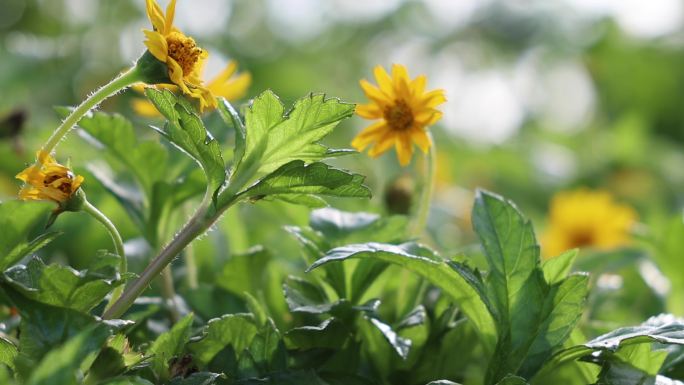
(227, 84)
(48, 180)
(404, 110)
(180, 53)
(586, 218)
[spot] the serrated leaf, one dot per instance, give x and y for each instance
(400, 345)
(276, 139)
(296, 177)
(186, 131)
(303, 296)
(169, 345)
(231, 117)
(512, 380)
(436, 271)
(60, 285)
(235, 330)
(60, 365)
(330, 334)
(147, 160)
(127, 380)
(343, 227)
(616, 372)
(442, 382)
(17, 220)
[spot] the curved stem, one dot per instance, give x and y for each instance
(120, 82)
(118, 245)
(423, 210)
(169, 293)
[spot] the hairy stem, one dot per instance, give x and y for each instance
(120, 82)
(118, 245)
(423, 210)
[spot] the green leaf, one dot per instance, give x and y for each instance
(616, 372)
(186, 131)
(663, 329)
(442, 382)
(274, 138)
(512, 380)
(435, 270)
(147, 160)
(533, 317)
(557, 268)
(18, 220)
(169, 345)
(296, 177)
(340, 227)
(305, 297)
(8, 352)
(234, 330)
(231, 117)
(642, 357)
(60, 285)
(60, 365)
(245, 272)
(126, 381)
(330, 334)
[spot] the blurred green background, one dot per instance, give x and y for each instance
(543, 96)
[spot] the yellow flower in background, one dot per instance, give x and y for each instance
(227, 84)
(404, 110)
(48, 180)
(180, 53)
(586, 218)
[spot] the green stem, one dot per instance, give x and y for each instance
(118, 245)
(196, 226)
(423, 210)
(191, 267)
(120, 82)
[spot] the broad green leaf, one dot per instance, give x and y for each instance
(61, 285)
(235, 330)
(340, 227)
(131, 199)
(186, 131)
(146, 160)
(562, 309)
(296, 177)
(18, 220)
(201, 378)
(642, 357)
(533, 317)
(274, 138)
(557, 268)
(304, 296)
(8, 352)
(442, 382)
(127, 380)
(267, 350)
(245, 272)
(60, 365)
(663, 329)
(169, 345)
(436, 271)
(400, 345)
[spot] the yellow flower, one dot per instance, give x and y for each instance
(48, 180)
(405, 110)
(180, 53)
(227, 84)
(586, 218)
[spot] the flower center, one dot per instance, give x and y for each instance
(64, 184)
(582, 238)
(184, 51)
(399, 116)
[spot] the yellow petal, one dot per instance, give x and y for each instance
(227, 72)
(170, 13)
(384, 143)
(369, 135)
(433, 98)
(428, 117)
(156, 43)
(418, 85)
(421, 139)
(145, 108)
(401, 79)
(176, 75)
(404, 148)
(154, 13)
(384, 81)
(233, 89)
(78, 180)
(373, 93)
(369, 111)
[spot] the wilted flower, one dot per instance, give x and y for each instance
(48, 180)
